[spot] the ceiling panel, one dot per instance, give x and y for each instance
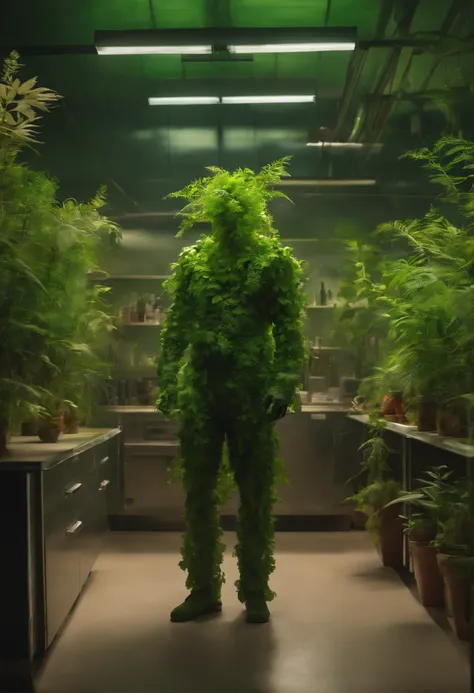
(105, 132)
(294, 13)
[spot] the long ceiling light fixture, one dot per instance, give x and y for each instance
(154, 50)
(294, 47)
(224, 41)
(343, 145)
(212, 100)
(326, 182)
(305, 98)
(183, 100)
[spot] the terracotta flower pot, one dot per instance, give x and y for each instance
(392, 408)
(390, 539)
(427, 574)
(448, 423)
(457, 588)
(49, 431)
(427, 416)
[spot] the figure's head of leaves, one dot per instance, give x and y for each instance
(233, 201)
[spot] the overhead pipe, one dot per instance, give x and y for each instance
(375, 127)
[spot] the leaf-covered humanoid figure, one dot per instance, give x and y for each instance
(232, 350)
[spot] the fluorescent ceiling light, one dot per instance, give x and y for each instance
(183, 100)
(154, 50)
(205, 100)
(268, 99)
(294, 47)
(329, 182)
(337, 145)
(345, 145)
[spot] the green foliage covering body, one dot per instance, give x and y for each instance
(231, 348)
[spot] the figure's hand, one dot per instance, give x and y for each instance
(276, 408)
(166, 403)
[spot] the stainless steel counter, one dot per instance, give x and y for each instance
(28, 453)
(317, 455)
(453, 445)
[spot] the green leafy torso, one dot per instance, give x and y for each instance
(231, 300)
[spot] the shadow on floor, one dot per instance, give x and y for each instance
(207, 656)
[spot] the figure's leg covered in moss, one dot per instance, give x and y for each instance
(252, 454)
(202, 548)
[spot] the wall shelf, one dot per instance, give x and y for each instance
(126, 277)
(140, 324)
(328, 348)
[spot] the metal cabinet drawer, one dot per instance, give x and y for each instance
(147, 487)
(65, 484)
(108, 461)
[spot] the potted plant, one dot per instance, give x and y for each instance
(384, 524)
(452, 542)
(50, 426)
(421, 528)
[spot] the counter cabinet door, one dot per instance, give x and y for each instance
(147, 487)
(62, 566)
(307, 446)
(149, 427)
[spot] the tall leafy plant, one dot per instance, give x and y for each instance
(52, 316)
(362, 323)
(426, 300)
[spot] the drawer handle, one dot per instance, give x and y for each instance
(103, 484)
(73, 489)
(104, 460)
(75, 528)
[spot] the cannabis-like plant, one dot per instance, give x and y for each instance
(53, 319)
(425, 303)
(19, 106)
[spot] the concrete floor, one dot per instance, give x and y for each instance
(341, 624)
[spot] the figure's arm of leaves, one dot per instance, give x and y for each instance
(174, 339)
(288, 329)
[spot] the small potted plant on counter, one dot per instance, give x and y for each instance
(51, 422)
(421, 528)
(383, 523)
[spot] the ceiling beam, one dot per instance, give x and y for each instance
(90, 49)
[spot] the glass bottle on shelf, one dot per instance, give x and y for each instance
(141, 309)
(323, 299)
(157, 311)
(149, 308)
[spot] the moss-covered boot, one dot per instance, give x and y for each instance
(198, 603)
(257, 609)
